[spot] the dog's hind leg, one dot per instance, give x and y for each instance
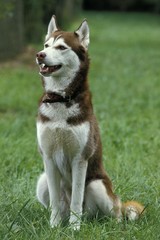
(42, 190)
(101, 201)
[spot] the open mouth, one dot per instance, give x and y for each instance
(44, 69)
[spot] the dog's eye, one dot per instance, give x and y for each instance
(61, 47)
(46, 45)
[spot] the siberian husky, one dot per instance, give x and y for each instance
(74, 180)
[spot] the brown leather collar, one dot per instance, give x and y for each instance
(53, 97)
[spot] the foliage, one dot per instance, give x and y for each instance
(155, 4)
(124, 78)
(11, 26)
(33, 20)
(37, 15)
(123, 5)
(6, 8)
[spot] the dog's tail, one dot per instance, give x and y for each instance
(132, 210)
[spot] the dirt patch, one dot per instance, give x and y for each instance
(27, 58)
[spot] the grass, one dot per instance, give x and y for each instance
(124, 79)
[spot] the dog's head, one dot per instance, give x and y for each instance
(63, 51)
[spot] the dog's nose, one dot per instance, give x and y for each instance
(41, 55)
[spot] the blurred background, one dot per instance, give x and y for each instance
(124, 79)
(23, 22)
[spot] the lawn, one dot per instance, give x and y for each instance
(124, 79)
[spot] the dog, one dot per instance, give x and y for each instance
(74, 180)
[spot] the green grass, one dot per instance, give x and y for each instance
(124, 78)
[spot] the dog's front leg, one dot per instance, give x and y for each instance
(53, 180)
(79, 168)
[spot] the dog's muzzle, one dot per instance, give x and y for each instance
(44, 68)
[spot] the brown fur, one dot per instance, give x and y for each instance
(78, 92)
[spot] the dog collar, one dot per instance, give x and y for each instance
(53, 97)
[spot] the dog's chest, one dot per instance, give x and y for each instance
(58, 112)
(59, 141)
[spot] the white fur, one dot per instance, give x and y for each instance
(52, 27)
(62, 185)
(132, 213)
(83, 32)
(61, 144)
(42, 190)
(58, 112)
(60, 79)
(62, 148)
(97, 199)
(53, 136)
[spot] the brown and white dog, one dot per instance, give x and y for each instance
(74, 180)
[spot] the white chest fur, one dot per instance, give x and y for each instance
(59, 112)
(61, 142)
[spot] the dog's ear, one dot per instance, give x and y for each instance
(52, 27)
(83, 33)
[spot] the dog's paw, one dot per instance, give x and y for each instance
(75, 222)
(75, 226)
(55, 220)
